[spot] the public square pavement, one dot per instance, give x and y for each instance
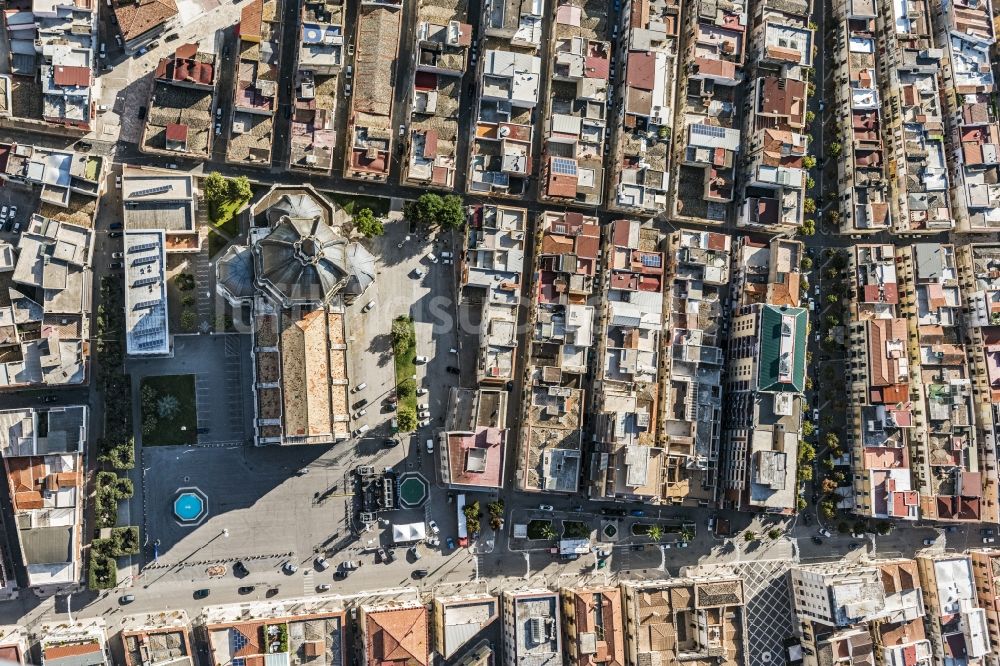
(220, 364)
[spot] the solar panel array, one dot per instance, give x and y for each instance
(709, 130)
(146, 304)
(142, 247)
(142, 282)
(651, 260)
(159, 189)
(563, 166)
(142, 261)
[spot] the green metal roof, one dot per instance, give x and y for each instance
(769, 373)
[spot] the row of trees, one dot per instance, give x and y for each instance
(219, 190)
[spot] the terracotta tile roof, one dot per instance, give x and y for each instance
(641, 70)
(135, 19)
(71, 650)
(72, 76)
(251, 633)
(397, 636)
(252, 20)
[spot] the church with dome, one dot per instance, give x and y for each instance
(296, 273)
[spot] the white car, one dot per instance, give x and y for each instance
(421, 391)
(420, 359)
(13, 213)
(419, 273)
(321, 563)
(431, 257)
(545, 507)
(424, 423)
(218, 112)
(433, 527)
(368, 306)
(825, 532)
(361, 412)
(422, 406)
(424, 414)
(3, 213)
(289, 567)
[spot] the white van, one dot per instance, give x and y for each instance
(446, 255)
(431, 258)
(360, 387)
(362, 430)
(430, 446)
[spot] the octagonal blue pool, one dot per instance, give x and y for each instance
(189, 507)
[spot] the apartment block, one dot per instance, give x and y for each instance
(458, 619)
(303, 630)
(878, 377)
(986, 573)
(945, 453)
(157, 639)
(764, 379)
(966, 33)
(179, 121)
(369, 127)
(46, 311)
(773, 180)
(861, 168)
(531, 628)
(53, 43)
(707, 139)
(956, 623)
(501, 160)
(474, 445)
(575, 130)
(492, 274)
(82, 643)
(861, 613)
(979, 272)
(42, 454)
(321, 55)
(690, 420)
(155, 201)
(913, 119)
(255, 84)
(69, 182)
(443, 38)
(627, 463)
(693, 620)
(562, 328)
(593, 626)
(141, 22)
(640, 161)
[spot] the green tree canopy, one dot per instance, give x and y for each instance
(367, 224)
(239, 189)
(452, 213)
(406, 417)
(215, 188)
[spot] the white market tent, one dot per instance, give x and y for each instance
(408, 532)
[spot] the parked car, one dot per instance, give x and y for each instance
(368, 306)
(389, 442)
(433, 527)
(240, 569)
(360, 387)
(289, 567)
(424, 414)
(350, 49)
(421, 391)
(431, 257)
(825, 532)
(350, 565)
(430, 446)
(988, 539)
(418, 273)
(453, 370)
(451, 543)
(986, 531)
(323, 587)
(420, 359)
(202, 593)
(424, 423)
(142, 112)
(246, 589)
(362, 430)
(361, 412)
(546, 507)
(3, 212)
(381, 555)
(928, 542)
(115, 226)
(414, 553)
(126, 599)
(117, 255)
(116, 265)
(420, 573)
(321, 563)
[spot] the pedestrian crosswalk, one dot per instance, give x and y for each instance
(308, 584)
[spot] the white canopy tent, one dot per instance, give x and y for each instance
(408, 532)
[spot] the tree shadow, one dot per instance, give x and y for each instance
(381, 344)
